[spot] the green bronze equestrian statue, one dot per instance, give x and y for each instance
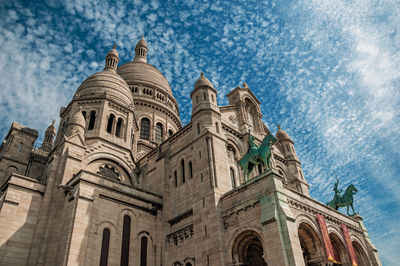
(257, 155)
(344, 200)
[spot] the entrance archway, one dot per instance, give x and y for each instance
(339, 250)
(311, 245)
(361, 256)
(248, 250)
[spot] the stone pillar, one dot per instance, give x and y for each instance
(282, 246)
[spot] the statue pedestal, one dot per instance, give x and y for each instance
(357, 217)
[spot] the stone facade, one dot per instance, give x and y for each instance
(123, 183)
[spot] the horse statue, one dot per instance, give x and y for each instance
(344, 200)
(257, 155)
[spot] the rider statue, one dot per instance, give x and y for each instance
(337, 192)
(252, 145)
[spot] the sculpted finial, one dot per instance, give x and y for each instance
(114, 46)
(54, 121)
(245, 85)
(142, 37)
(201, 74)
(279, 126)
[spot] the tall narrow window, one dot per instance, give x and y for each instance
(105, 243)
(126, 234)
(84, 114)
(190, 170)
(145, 129)
(198, 129)
(217, 127)
(110, 123)
(159, 133)
(118, 129)
(232, 177)
(20, 146)
(92, 120)
(197, 99)
(170, 133)
(183, 170)
(176, 179)
(143, 251)
(205, 96)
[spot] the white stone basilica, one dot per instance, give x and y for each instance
(123, 183)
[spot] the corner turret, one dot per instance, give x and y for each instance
(295, 175)
(77, 124)
(49, 137)
(204, 96)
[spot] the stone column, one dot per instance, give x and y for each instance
(282, 246)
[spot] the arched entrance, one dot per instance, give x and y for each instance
(247, 250)
(362, 259)
(311, 245)
(339, 250)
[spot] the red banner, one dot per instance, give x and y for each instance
(325, 236)
(349, 245)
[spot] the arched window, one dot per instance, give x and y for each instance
(159, 133)
(188, 264)
(110, 123)
(176, 178)
(170, 133)
(251, 114)
(143, 251)
(183, 170)
(105, 243)
(190, 170)
(118, 129)
(126, 235)
(233, 182)
(145, 129)
(92, 120)
(84, 114)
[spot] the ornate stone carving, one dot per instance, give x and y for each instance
(233, 119)
(108, 171)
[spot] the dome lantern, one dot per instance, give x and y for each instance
(112, 59)
(141, 51)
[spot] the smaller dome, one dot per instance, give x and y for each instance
(51, 129)
(282, 135)
(203, 82)
(106, 82)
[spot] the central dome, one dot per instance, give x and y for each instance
(141, 72)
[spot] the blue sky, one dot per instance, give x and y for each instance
(327, 71)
